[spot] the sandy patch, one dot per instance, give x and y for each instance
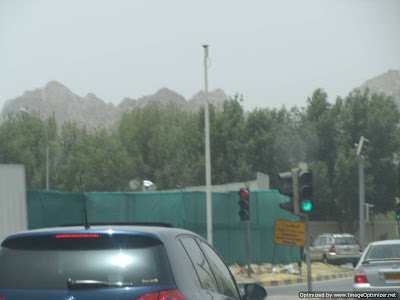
(277, 272)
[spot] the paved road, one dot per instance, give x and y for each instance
(292, 291)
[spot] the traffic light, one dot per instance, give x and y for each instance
(287, 188)
(244, 204)
(305, 192)
(397, 209)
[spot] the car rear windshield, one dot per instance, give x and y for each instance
(348, 240)
(377, 252)
(50, 261)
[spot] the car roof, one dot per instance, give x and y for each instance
(385, 242)
(336, 235)
(158, 232)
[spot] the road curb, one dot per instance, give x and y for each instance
(314, 278)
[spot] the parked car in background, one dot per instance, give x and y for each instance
(331, 248)
(379, 267)
(115, 262)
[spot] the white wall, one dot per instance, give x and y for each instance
(13, 211)
(261, 183)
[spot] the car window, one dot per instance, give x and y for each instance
(383, 252)
(222, 273)
(348, 240)
(323, 241)
(200, 264)
(139, 260)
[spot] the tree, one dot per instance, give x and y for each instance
(98, 158)
(23, 141)
(384, 135)
(228, 144)
(377, 119)
(164, 143)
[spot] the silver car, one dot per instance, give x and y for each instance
(340, 248)
(379, 267)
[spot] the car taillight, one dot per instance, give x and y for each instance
(332, 249)
(360, 249)
(164, 295)
(360, 277)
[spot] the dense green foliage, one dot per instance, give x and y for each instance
(166, 145)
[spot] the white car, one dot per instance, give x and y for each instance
(335, 248)
(379, 267)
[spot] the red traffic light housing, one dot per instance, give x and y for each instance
(244, 204)
(244, 193)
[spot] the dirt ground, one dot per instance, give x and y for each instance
(276, 272)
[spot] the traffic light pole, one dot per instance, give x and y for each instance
(308, 258)
(248, 249)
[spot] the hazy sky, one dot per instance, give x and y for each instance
(273, 52)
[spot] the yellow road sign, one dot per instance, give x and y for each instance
(289, 233)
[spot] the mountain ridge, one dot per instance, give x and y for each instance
(92, 112)
(388, 83)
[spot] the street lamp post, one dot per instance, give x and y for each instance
(207, 150)
(25, 111)
(361, 195)
(361, 147)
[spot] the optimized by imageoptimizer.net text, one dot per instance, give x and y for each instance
(355, 295)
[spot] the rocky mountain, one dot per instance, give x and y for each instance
(92, 112)
(165, 96)
(388, 83)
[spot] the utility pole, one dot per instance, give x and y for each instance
(361, 147)
(361, 198)
(207, 150)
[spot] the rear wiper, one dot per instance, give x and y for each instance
(87, 284)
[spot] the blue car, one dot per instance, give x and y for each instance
(115, 262)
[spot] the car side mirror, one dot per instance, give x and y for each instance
(254, 291)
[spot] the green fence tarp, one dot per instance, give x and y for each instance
(181, 209)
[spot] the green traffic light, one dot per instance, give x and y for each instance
(306, 206)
